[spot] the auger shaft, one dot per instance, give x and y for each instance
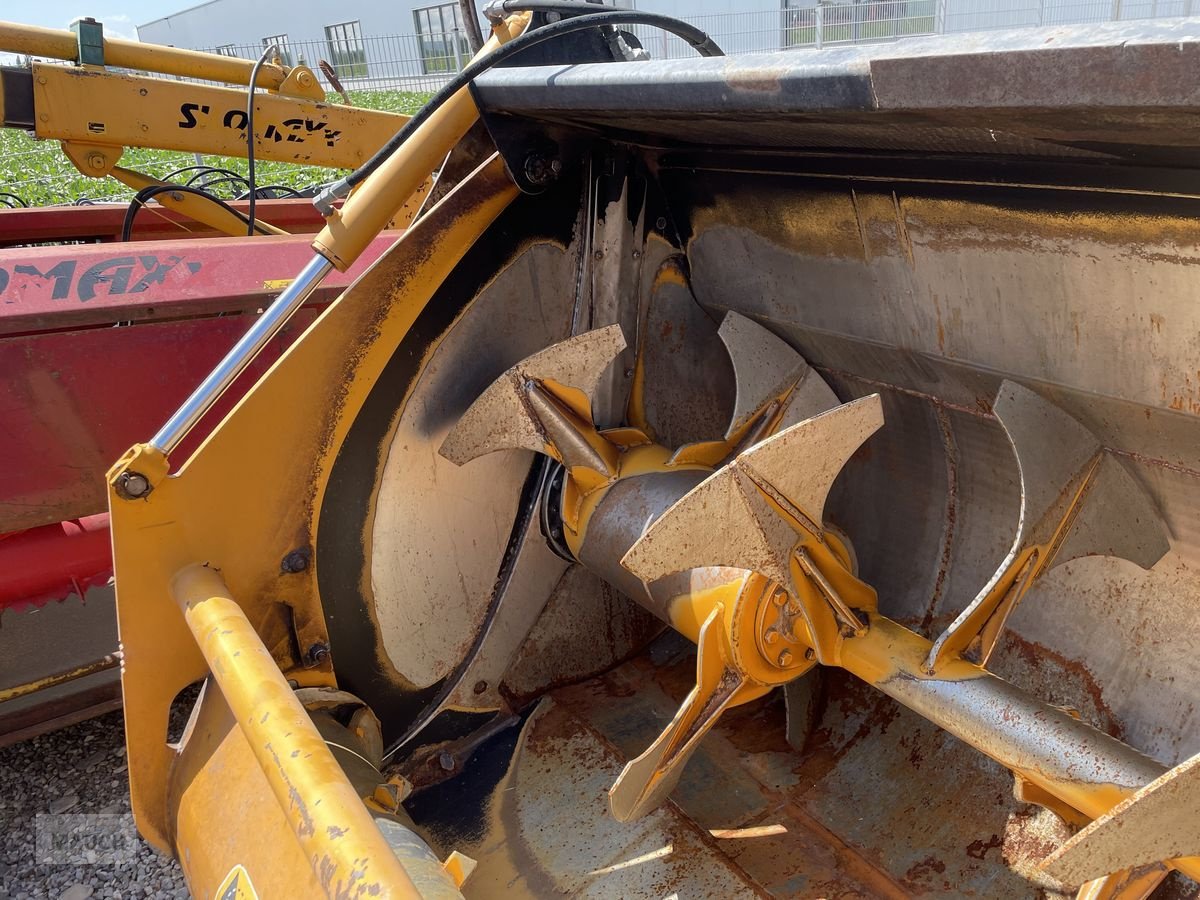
(616, 523)
(1083, 767)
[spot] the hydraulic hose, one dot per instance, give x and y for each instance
(586, 20)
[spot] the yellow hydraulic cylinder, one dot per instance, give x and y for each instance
(330, 822)
(29, 40)
(371, 207)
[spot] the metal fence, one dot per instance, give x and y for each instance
(424, 62)
(399, 69)
(797, 28)
(407, 62)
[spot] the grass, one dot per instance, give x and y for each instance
(41, 175)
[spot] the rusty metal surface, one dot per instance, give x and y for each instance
(586, 628)
(547, 831)
(766, 368)
(831, 821)
(686, 378)
(1076, 501)
(614, 272)
(1159, 822)
(1142, 672)
(929, 276)
(505, 416)
(928, 291)
(727, 520)
(1005, 722)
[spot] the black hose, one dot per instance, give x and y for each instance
(690, 33)
(268, 51)
(563, 7)
(12, 201)
(198, 168)
(147, 193)
(237, 182)
(273, 192)
(213, 173)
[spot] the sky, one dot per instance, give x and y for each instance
(120, 17)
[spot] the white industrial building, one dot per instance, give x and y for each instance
(384, 42)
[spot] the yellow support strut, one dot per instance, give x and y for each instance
(336, 833)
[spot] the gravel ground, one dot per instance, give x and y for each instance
(73, 784)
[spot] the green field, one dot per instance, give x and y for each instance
(40, 174)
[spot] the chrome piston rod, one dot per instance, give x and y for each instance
(267, 325)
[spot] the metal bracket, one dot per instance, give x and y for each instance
(89, 40)
(138, 472)
(534, 160)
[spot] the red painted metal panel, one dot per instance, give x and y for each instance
(77, 389)
(54, 561)
(102, 222)
(60, 288)
(73, 402)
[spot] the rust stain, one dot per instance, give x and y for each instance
(759, 81)
(1029, 837)
(967, 225)
(979, 848)
(862, 226)
(853, 700)
(1189, 400)
(816, 223)
(1053, 670)
(902, 231)
(950, 446)
(941, 331)
(924, 870)
(1156, 323)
